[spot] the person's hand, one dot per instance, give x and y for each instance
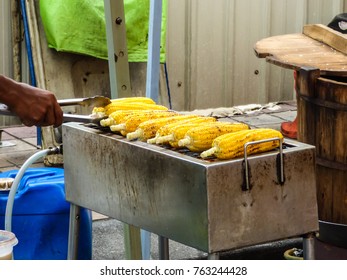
(33, 106)
(37, 107)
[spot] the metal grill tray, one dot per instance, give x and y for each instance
(199, 203)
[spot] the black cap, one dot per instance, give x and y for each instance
(339, 23)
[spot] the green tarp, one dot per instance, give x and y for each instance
(78, 26)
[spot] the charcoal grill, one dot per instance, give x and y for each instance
(205, 204)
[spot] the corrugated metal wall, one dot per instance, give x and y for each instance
(211, 62)
(5, 38)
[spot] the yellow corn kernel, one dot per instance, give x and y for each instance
(165, 133)
(101, 111)
(98, 112)
(116, 106)
(141, 99)
(200, 138)
(98, 109)
(148, 129)
(118, 117)
(231, 145)
(131, 122)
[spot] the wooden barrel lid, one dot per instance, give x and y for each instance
(318, 47)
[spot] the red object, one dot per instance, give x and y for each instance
(290, 129)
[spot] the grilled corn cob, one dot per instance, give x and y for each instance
(115, 106)
(231, 145)
(136, 99)
(148, 129)
(118, 117)
(131, 122)
(100, 112)
(165, 133)
(200, 138)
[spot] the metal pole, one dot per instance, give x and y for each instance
(117, 48)
(132, 240)
(152, 79)
(74, 232)
(163, 248)
(213, 256)
(153, 63)
(120, 87)
(145, 244)
(308, 246)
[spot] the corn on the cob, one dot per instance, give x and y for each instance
(100, 112)
(131, 122)
(200, 138)
(118, 117)
(165, 133)
(148, 129)
(116, 106)
(231, 145)
(136, 99)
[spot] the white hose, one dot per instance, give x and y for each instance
(15, 184)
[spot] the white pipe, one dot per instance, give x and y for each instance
(15, 184)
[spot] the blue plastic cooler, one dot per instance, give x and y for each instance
(40, 218)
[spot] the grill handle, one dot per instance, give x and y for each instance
(281, 173)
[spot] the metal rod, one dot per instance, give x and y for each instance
(74, 232)
(213, 256)
(281, 162)
(30, 56)
(153, 63)
(117, 48)
(308, 246)
(5, 143)
(132, 242)
(145, 244)
(258, 142)
(163, 248)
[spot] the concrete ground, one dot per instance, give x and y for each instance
(108, 244)
(19, 143)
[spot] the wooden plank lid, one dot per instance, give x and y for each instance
(318, 47)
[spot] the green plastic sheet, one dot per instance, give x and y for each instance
(78, 26)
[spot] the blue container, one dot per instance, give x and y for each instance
(40, 218)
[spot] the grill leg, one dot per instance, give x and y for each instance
(213, 256)
(74, 232)
(145, 244)
(308, 246)
(132, 242)
(163, 248)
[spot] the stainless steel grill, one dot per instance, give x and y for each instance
(200, 203)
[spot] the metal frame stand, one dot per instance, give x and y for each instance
(153, 61)
(152, 91)
(117, 48)
(74, 232)
(163, 248)
(308, 246)
(121, 87)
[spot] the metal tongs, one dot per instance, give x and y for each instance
(95, 101)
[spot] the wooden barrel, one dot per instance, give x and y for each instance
(322, 122)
